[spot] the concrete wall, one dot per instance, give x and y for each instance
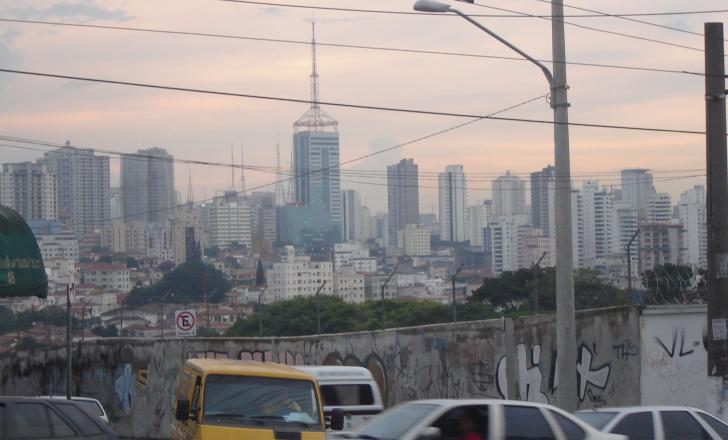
(134, 378)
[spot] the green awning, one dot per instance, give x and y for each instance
(21, 265)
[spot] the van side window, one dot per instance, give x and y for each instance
(347, 394)
(30, 420)
(195, 407)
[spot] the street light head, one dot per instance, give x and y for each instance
(431, 6)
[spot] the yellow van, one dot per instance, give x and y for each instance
(220, 399)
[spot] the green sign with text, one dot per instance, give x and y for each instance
(21, 265)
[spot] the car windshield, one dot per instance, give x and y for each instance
(260, 401)
(394, 423)
(90, 405)
(597, 419)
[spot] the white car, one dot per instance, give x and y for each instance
(488, 419)
(91, 405)
(657, 423)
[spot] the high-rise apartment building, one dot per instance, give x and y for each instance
(453, 200)
(263, 221)
(147, 185)
(351, 219)
(659, 208)
(82, 182)
(636, 189)
(477, 217)
(504, 238)
(29, 189)
(230, 221)
(597, 222)
(317, 181)
(414, 241)
(403, 201)
(542, 200)
(298, 276)
(692, 214)
(577, 227)
(509, 195)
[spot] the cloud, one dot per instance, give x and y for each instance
(10, 35)
(84, 11)
(273, 11)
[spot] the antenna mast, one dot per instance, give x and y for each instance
(190, 199)
(242, 171)
(280, 197)
(232, 169)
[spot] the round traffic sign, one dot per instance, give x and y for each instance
(186, 321)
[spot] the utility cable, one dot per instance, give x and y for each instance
(340, 45)
(355, 106)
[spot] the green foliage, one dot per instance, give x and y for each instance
(515, 291)
(28, 343)
(259, 274)
(204, 332)
(298, 316)
(105, 332)
(187, 284)
(8, 322)
(672, 283)
(53, 315)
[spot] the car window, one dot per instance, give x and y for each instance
(30, 420)
(597, 419)
(347, 394)
(196, 397)
(91, 406)
(637, 426)
(523, 422)
(60, 428)
(464, 423)
(680, 425)
(717, 425)
(396, 422)
(86, 424)
(572, 431)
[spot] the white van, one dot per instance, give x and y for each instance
(351, 389)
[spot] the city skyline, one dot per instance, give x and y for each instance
(162, 118)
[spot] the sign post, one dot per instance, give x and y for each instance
(185, 322)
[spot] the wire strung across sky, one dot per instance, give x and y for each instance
(342, 45)
(354, 106)
(383, 11)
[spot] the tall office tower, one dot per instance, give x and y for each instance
(263, 219)
(351, 215)
(29, 189)
(577, 229)
(659, 208)
(316, 154)
(82, 182)
(636, 188)
(692, 214)
(115, 203)
(542, 200)
(509, 195)
(477, 219)
(453, 199)
(597, 222)
(147, 185)
(230, 221)
(403, 199)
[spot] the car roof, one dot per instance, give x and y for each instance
(336, 372)
(79, 398)
(465, 402)
(247, 368)
(625, 409)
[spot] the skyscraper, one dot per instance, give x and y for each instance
(230, 221)
(692, 213)
(351, 215)
(542, 200)
(316, 155)
(29, 189)
(509, 195)
(636, 189)
(147, 185)
(453, 199)
(403, 200)
(82, 181)
(598, 207)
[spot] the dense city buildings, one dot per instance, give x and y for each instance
(403, 201)
(230, 221)
(542, 200)
(29, 189)
(147, 185)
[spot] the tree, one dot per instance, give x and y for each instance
(28, 343)
(259, 274)
(187, 282)
(8, 322)
(506, 292)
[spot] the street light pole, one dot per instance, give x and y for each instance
(161, 317)
(384, 286)
(629, 262)
(535, 281)
(318, 307)
(454, 303)
(565, 315)
(83, 319)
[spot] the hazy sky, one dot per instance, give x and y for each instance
(203, 127)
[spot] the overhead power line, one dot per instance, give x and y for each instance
(340, 45)
(348, 105)
(384, 11)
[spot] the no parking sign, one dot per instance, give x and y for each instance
(185, 322)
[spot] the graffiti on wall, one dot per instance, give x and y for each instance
(284, 357)
(125, 387)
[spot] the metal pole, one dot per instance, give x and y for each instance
(69, 341)
(565, 315)
(318, 307)
(454, 303)
(121, 318)
(384, 286)
(629, 262)
(535, 281)
(260, 314)
(717, 200)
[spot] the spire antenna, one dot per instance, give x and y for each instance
(280, 197)
(190, 198)
(242, 171)
(232, 168)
